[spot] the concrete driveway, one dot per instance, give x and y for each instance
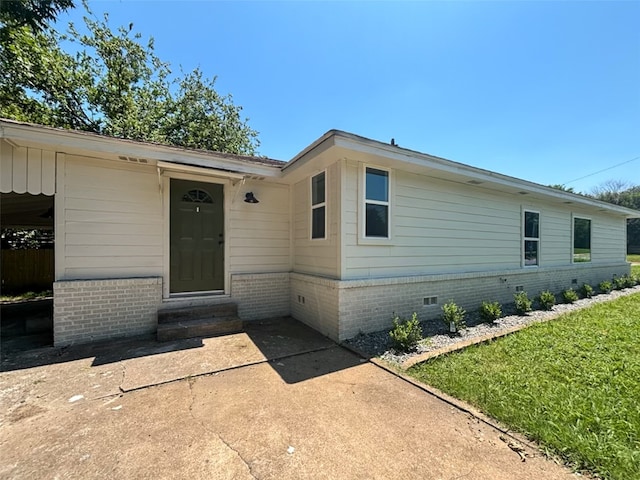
(276, 402)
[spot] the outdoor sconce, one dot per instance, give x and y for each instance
(250, 198)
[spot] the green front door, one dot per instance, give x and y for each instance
(197, 236)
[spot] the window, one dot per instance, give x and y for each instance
(531, 238)
(318, 206)
(197, 196)
(376, 203)
(581, 240)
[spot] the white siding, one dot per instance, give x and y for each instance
(258, 237)
(112, 220)
(26, 170)
(317, 257)
(446, 227)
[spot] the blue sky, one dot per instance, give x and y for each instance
(545, 91)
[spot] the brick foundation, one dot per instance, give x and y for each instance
(369, 305)
(90, 310)
(261, 295)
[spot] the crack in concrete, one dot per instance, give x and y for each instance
(191, 381)
(124, 374)
(463, 475)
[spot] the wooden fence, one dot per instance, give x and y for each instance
(27, 270)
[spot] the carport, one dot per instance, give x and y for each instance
(27, 186)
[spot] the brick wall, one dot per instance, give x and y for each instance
(90, 310)
(260, 295)
(316, 302)
(342, 309)
(369, 305)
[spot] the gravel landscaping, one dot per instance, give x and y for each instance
(377, 344)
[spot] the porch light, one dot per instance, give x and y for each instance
(250, 198)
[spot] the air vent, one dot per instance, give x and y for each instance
(133, 159)
(475, 182)
(574, 281)
(519, 288)
(523, 193)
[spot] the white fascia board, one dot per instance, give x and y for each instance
(428, 162)
(66, 141)
(182, 168)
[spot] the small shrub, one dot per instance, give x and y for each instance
(587, 290)
(569, 295)
(453, 314)
(523, 303)
(406, 334)
(605, 286)
(547, 300)
(619, 282)
(629, 281)
(490, 311)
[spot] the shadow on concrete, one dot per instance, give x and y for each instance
(306, 366)
(103, 352)
(295, 351)
(26, 325)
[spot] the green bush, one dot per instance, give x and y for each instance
(546, 299)
(569, 295)
(453, 314)
(629, 281)
(619, 282)
(490, 311)
(406, 334)
(605, 286)
(587, 290)
(523, 303)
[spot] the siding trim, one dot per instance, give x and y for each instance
(59, 201)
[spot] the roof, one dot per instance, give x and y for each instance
(440, 167)
(350, 145)
(25, 131)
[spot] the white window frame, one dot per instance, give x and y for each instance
(531, 239)
(314, 207)
(573, 234)
(362, 238)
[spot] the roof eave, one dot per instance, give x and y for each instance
(63, 139)
(355, 142)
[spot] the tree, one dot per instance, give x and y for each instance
(559, 186)
(620, 192)
(35, 14)
(114, 84)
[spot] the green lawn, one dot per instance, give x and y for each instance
(572, 384)
(633, 258)
(635, 269)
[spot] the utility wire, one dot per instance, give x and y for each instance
(603, 170)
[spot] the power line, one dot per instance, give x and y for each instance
(603, 170)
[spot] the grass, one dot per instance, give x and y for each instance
(633, 258)
(25, 296)
(571, 384)
(635, 269)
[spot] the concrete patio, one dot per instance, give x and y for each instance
(278, 401)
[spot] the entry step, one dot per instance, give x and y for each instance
(198, 321)
(202, 327)
(180, 314)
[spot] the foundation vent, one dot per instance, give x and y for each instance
(427, 301)
(519, 288)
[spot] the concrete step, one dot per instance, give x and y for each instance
(183, 314)
(199, 327)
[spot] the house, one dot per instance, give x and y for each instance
(341, 237)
